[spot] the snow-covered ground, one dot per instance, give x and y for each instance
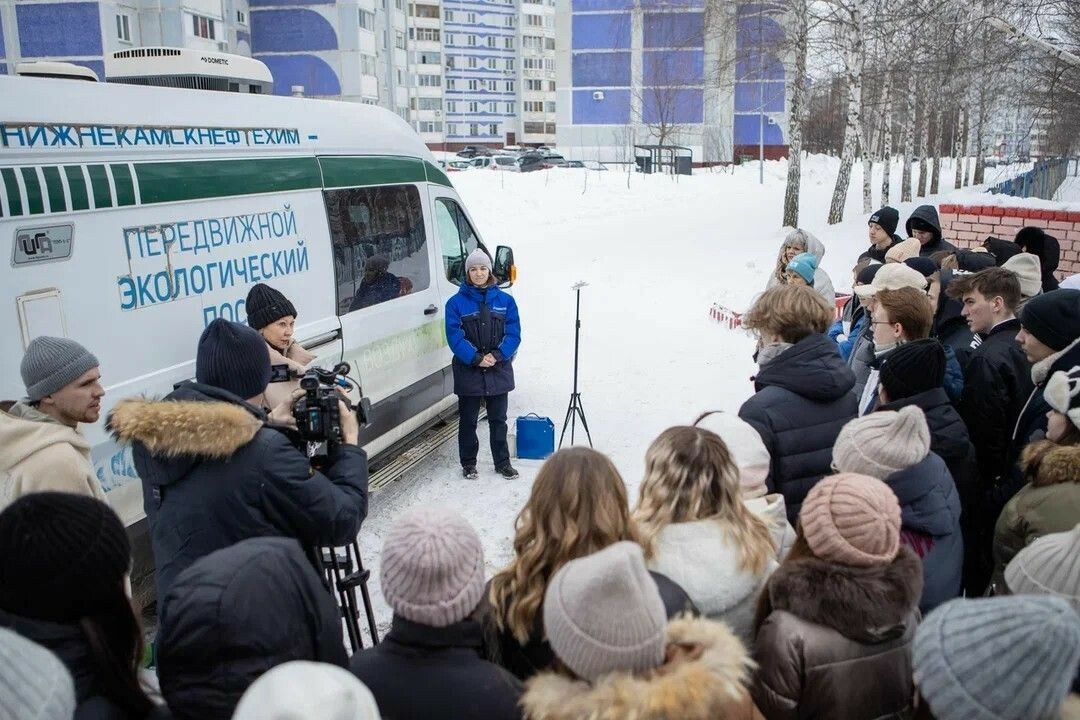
(656, 252)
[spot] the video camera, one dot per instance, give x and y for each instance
(317, 413)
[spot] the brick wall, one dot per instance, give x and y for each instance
(969, 225)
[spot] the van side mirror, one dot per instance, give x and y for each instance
(504, 268)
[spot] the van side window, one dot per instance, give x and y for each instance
(380, 248)
(456, 238)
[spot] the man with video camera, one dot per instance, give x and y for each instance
(216, 469)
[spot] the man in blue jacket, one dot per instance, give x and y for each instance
(484, 332)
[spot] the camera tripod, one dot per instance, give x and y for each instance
(575, 409)
(342, 572)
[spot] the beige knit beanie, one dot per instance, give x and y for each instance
(852, 520)
(882, 443)
(1028, 269)
(432, 567)
(903, 251)
(1048, 566)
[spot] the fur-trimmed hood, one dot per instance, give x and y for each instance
(194, 423)
(867, 605)
(1047, 463)
(703, 679)
(1040, 371)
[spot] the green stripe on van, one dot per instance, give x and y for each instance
(35, 204)
(54, 188)
(436, 175)
(125, 187)
(198, 179)
(80, 200)
(11, 187)
(99, 184)
(370, 170)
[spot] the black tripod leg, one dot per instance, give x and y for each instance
(347, 609)
(368, 609)
(584, 422)
(566, 422)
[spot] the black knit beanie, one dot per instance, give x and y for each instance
(266, 305)
(233, 357)
(1053, 318)
(62, 556)
(913, 368)
(887, 217)
(924, 265)
(868, 273)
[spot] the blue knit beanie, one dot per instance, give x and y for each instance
(805, 264)
(233, 357)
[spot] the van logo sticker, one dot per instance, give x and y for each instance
(29, 135)
(34, 245)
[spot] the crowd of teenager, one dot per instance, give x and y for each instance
(889, 528)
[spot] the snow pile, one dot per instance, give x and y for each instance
(657, 252)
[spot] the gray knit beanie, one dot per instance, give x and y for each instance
(882, 443)
(477, 258)
(34, 684)
(433, 567)
(1002, 658)
(603, 613)
(50, 363)
(1048, 566)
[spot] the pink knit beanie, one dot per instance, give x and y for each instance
(433, 567)
(852, 519)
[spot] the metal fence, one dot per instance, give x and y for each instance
(1042, 181)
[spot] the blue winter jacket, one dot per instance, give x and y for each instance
(930, 504)
(481, 321)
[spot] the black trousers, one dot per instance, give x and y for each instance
(469, 414)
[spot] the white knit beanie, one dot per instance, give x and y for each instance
(34, 684)
(1029, 270)
(882, 443)
(603, 613)
(1048, 566)
(1062, 393)
(309, 691)
(432, 567)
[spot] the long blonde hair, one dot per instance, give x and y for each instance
(689, 475)
(578, 506)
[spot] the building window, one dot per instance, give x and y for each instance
(367, 65)
(123, 28)
(491, 41)
(549, 64)
(451, 128)
(470, 18)
(508, 43)
(549, 43)
(427, 34)
(429, 80)
(534, 21)
(551, 86)
(472, 63)
(399, 40)
(474, 107)
(400, 5)
(385, 222)
(533, 106)
(430, 57)
(549, 106)
(493, 85)
(471, 41)
(451, 107)
(534, 85)
(534, 128)
(473, 85)
(400, 77)
(491, 63)
(508, 21)
(474, 129)
(241, 17)
(430, 127)
(448, 15)
(426, 104)
(510, 86)
(202, 27)
(493, 129)
(451, 84)
(424, 11)
(510, 64)
(509, 108)
(532, 42)
(367, 20)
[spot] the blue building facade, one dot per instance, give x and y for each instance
(647, 71)
(480, 46)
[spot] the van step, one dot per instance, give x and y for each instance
(427, 443)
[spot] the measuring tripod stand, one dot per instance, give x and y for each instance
(342, 573)
(575, 409)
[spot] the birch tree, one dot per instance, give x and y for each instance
(800, 38)
(852, 32)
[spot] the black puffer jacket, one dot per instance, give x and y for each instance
(419, 672)
(861, 359)
(536, 655)
(928, 214)
(948, 435)
(213, 474)
(69, 643)
(804, 397)
(997, 383)
(929, 504)
(877, 254)
(237, 613)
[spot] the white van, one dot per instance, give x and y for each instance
(136, 215)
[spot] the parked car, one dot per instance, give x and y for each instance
(505, 163)
(458, 165)
(530, 162)
(595, 165)
(471, 151)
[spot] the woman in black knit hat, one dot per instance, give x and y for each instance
(271, 313)
(64, 561)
